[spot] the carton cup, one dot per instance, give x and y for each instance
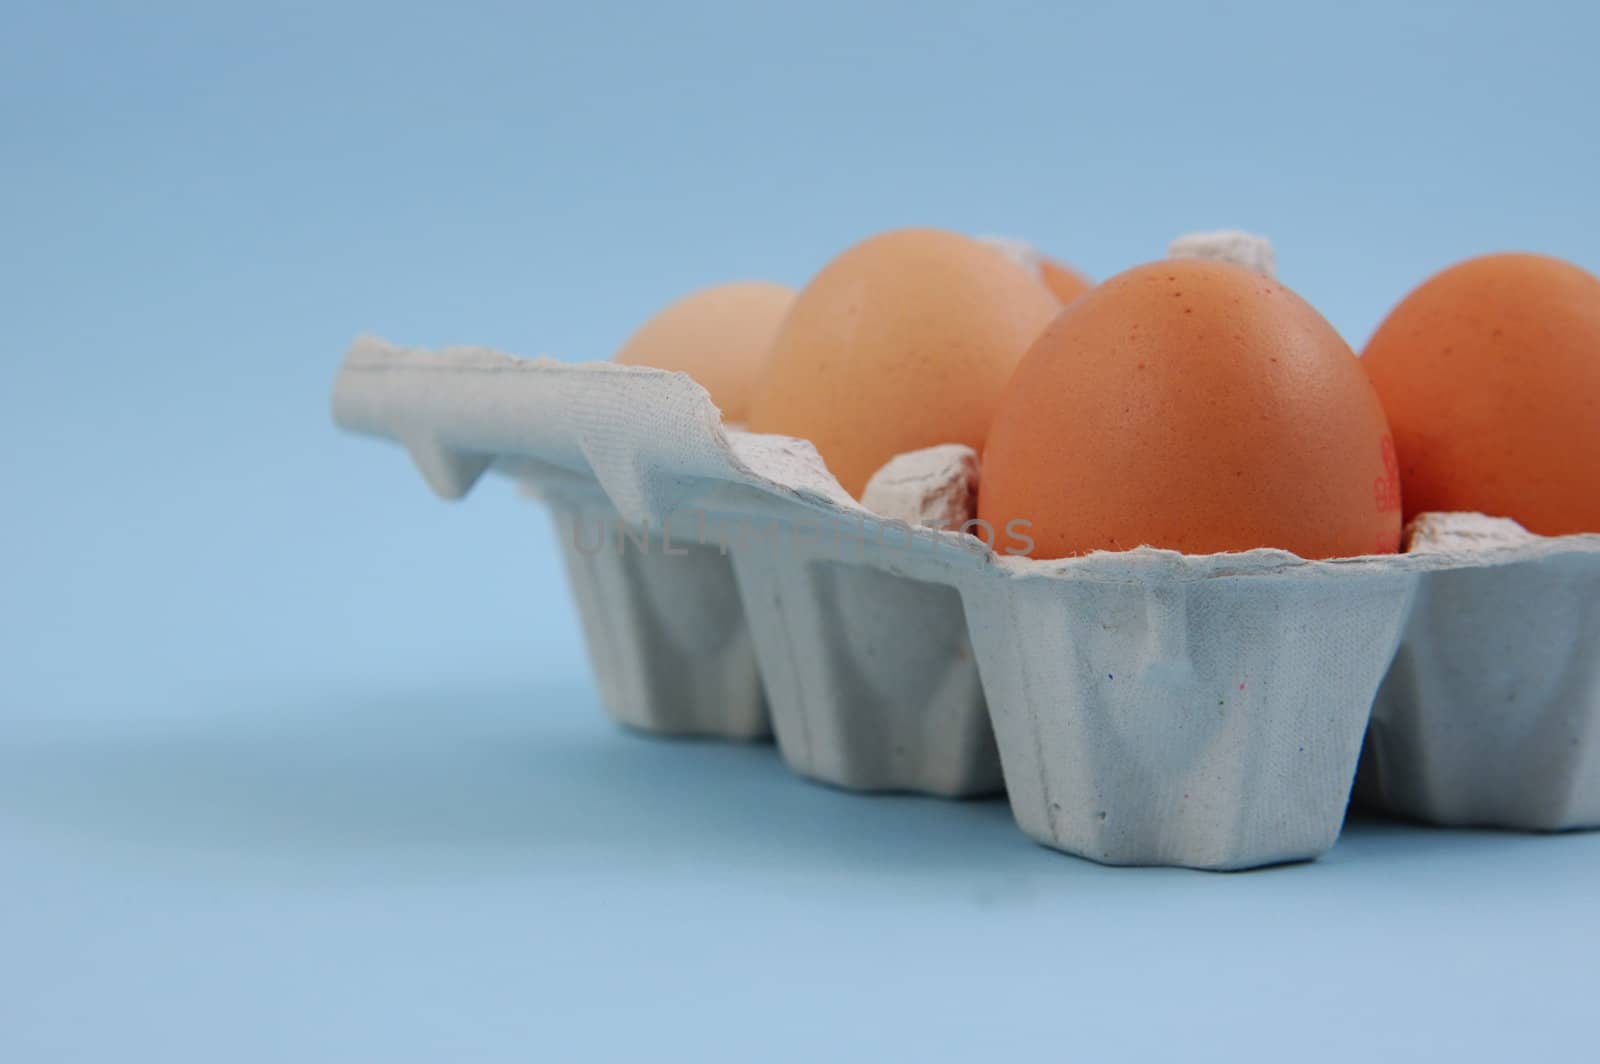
(1490, 714)
(663, 623)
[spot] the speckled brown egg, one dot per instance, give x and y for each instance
(1196, 406)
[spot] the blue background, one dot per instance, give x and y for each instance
(297, 762)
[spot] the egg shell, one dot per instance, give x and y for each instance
(904, 341)
(720, 336)
(1490, 373)
(1196, 406)
(1067, 284)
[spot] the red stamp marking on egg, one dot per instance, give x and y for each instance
(1386, 489)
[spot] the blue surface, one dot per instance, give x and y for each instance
(297, 763)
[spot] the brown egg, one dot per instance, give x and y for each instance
(719, 336)
(1063, 281)
(1195, 406)
(904, 341)
(1067, 284)
(1490, 373)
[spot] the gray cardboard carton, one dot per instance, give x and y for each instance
(1143, 707)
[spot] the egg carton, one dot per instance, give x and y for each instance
(1144, 707)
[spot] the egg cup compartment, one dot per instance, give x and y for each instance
(871, 676)
(663, 623)
(1151, 712)
(1490, 715)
